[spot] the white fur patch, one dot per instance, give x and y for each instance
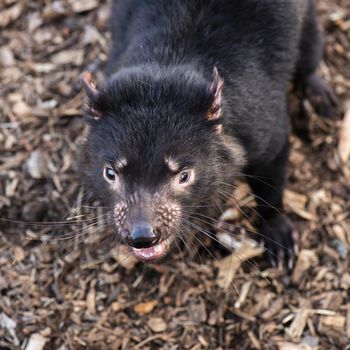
(120, 164)
(172, 164)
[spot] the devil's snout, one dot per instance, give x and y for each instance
(142, 235)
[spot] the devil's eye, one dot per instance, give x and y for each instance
(110, 174)
(184, 177)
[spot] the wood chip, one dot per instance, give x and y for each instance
(348, 321)
(344, 136)
(83, 5)
(91, 299)
(229, 266)
(292, 346)
(157, 324)
(37, 165)
(296, 329)
(10, 14)
(336, 323)
(274, 309)
(296, 202)
(306, 259)
(7, 58)
(74, 57)
(36, 342)
(124, 257)
(22, 110)
(10, 325)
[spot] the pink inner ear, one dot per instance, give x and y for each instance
(216, 89)
(89, 84)
(91, 91)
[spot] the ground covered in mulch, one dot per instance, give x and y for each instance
(62, 287)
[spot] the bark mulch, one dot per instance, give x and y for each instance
(63, 286)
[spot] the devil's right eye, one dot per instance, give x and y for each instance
(110, 174)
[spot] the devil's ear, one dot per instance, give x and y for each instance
(214, 112)
(92, 93)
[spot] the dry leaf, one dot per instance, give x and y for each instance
(145, 308)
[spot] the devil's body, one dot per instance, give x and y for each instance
(162, 58)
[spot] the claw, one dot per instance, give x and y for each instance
(272, 261)
(291, 262)
(295, 238)
(280, 259)
(281, 241)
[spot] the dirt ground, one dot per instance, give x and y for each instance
(63, 287)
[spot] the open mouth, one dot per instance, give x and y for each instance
(153, 253)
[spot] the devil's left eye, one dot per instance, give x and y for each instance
(184, 177)
(110, 174)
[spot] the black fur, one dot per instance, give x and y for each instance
(156, 101)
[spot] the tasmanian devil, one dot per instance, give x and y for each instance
(196, 96)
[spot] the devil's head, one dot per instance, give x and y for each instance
(154, 152)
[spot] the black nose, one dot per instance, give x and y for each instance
(143, 236)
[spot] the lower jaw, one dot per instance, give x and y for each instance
(154, 253)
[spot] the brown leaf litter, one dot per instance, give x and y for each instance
(64, 286)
